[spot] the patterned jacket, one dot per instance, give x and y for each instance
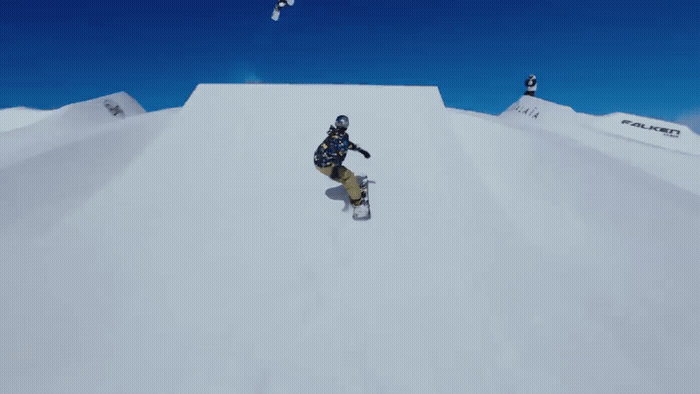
(333, 149)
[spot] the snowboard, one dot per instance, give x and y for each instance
(362, 211)
(276, 11)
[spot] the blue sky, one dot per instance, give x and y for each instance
(640, 57)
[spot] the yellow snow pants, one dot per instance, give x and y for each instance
(347, 178)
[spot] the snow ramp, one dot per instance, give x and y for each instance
(199, 250)
(652, 132)
(63, 126)
(248, 256)
(605, 306)
(217, 258)
(664, 149)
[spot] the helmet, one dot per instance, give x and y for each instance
(532, 76)
(342, 122)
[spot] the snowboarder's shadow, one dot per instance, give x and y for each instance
(340, 194)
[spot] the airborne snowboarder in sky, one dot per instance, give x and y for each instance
(278, 6)
(329, 158)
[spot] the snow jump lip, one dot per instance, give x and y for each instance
(65, 125)
(558, 118)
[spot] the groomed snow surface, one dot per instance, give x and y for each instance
(198, 250)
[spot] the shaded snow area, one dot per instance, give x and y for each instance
(197, 249)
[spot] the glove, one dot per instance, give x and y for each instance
(334, 172)
(364, 153)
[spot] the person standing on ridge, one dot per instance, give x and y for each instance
(530, 85)
(329, 157)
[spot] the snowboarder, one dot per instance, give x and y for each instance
(329, 158)
(278, 6)
(531, 85)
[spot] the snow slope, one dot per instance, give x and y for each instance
(198, 250)
(87, 112)
(64, 126)
(13, 118)
(667, 150)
